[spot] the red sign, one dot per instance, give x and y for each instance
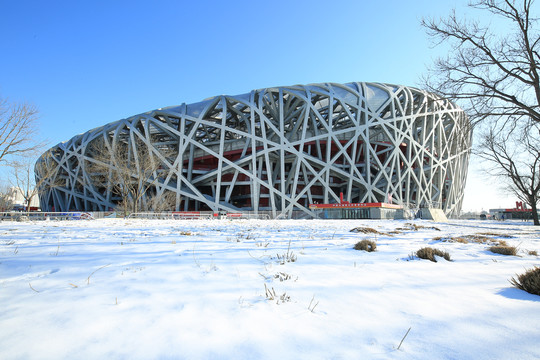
(354, 206)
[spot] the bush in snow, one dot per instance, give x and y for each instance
(430, 253)
(365, 230)
(504, 250)
(529, 281)
(366, 245)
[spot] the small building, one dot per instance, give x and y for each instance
(347, 210)
(520, 212)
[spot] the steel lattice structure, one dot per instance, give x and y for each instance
(280, 149)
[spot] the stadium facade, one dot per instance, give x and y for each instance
(276, 149)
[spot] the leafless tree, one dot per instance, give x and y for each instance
(6, 198)
(25, 179)
(516, 161)
(491, 71)
(18, 127)
(493, 74)
(129, 168)
(164, 201)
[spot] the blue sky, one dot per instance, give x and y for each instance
(87, 63)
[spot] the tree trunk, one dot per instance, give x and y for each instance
(534, 213)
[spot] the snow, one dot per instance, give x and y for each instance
(159, 289)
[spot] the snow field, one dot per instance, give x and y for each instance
(141, 289)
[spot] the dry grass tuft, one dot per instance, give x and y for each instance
(414, 227)
(503, 250)
(430, 253)
(529, 281)
(478, 238)
(475, 238)
(365, 230)
(366, 245)
(508, 236)
(533, 253)
(451, 239)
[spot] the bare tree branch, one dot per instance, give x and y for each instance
(515, 159)
(491, 75)
(494, 75)
(18, 128)
(25, 179)
(130, 170)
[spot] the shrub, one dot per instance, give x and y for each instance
(364, 230)
(366, 245)
(451, 239)
(495, 234)
(476, 238)
(417, 227)
(503, 250)
(529, 281)
(430, 253)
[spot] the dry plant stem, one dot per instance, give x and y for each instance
(88, 279)
(265, 277)
(258, 259)
(194, 258)
(401, 342)
(312, 309)
(33, 288)
(270, 294)
(289, 247)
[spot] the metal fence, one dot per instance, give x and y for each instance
(38, 215)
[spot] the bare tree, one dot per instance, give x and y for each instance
(18, 127)
(492, 71)
(516, 161)
(6, 198)
(493, 74)
(25, 179)
(162, 201)
(128, 167)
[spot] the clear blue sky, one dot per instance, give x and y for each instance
(87, 63)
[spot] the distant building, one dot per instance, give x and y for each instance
(519, 212)
(17, 202)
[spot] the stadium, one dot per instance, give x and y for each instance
(275, 150)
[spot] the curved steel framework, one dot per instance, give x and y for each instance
(277, 149)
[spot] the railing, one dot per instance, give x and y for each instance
(38, 215)
(173, 215)
(170, 215)
(197, 215)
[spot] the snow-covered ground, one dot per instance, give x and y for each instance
(157, 289)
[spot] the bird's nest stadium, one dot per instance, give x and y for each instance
(274, 150)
